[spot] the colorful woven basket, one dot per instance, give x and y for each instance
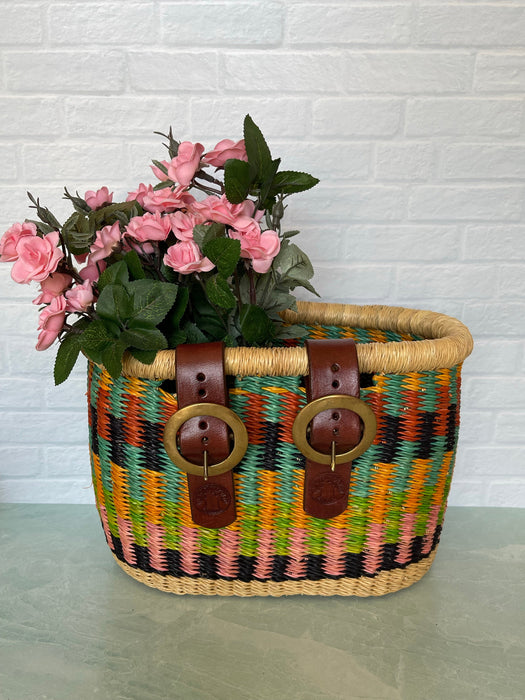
(385, 540)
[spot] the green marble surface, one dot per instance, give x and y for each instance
(73, 626)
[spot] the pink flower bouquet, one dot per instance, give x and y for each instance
(166, 267)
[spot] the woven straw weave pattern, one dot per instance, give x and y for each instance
(385, 539)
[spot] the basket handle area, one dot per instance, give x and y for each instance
(446, 343)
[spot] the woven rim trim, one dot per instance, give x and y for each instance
(364, 586)
(448, 342)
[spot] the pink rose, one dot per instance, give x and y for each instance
(186, 163)
(220, 210)
(185, 257)
(98, 199)
(80, 297)
(158, 172)
(92, 271)
(182, 224)
(51, 322)
(167, 200)
(260, 248)
(225, 150)
(150, 227)
(52, 287)
(107, 240)
(37, 258)
(139, 194)
(10, 239)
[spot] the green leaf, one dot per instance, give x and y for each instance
(78, 233)
(134, 265)
(95, 339)
(144, 338)
(204, 233)
(290, 181)
(96, 336)
(219, 293)
(290, 234)
(225, 253)
(237, 180)
(194, 334)
(176, 338)
(259, 155)
(42, 228)
(151, 300)
(144, 356)
(112, 358)
(294, 331)
(292, 262)
(180, 306)
(267, 181)
(304, 283)
(115, 303)
(114, 274)
(66, 358)
(257, 328)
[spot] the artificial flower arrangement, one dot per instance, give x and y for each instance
(164, 267)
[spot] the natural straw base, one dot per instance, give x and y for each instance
(382, 583)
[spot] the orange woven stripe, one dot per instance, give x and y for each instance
(443, 390)
(254, 420)
(134, 414)
(154, 494)
(381, 481)
(438, 496)
(417, 481)
(120, 491)
(409, 427)
(287, 415)
(267, 490)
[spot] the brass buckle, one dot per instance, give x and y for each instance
(333, 401)
(240, 437)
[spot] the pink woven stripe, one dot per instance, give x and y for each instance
(408, 524)
(265, 554)
(105, 524)
(374, 548)
(334, 564)
(189, 550)
(228, 556)
(157, 551)
(126, 537)
(297, 564)
(431, 529)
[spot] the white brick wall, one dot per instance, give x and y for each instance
(412, 115)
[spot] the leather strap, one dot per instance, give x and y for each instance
(201, 379)
(333, 370)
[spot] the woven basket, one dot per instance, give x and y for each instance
(385, 540)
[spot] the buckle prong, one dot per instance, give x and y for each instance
(205, 465)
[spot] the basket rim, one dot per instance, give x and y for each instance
(447, 342)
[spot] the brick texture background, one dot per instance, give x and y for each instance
(412, 115)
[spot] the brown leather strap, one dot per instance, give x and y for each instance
(200, 379)
(333, 370)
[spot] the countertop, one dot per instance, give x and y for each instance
(73, 626)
